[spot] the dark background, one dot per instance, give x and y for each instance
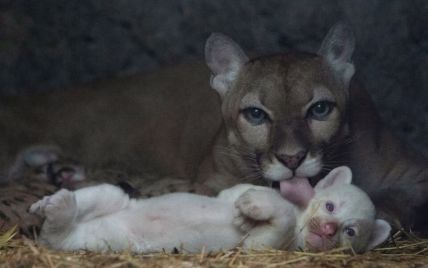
(48, 44)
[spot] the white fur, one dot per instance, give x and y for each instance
(353, 208)
(103, 217)
(310, 166)
(276, 171)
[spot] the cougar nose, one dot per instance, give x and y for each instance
(292, 161)
(329, 228)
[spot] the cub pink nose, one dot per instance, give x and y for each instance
(329, 228)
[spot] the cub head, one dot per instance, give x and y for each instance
(283, 113)
(340, 215)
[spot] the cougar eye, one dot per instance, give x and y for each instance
(255, 116)
(320, 110)
(349, 231)
(329, 206)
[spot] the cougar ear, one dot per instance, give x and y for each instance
(337, 49)
(225, 58)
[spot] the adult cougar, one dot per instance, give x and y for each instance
(298, 114)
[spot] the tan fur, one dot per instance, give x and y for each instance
(152, 123)
(393, 173)
(285, 85)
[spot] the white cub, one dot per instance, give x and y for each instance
(333, 214)
(103, 218)
(339, 215)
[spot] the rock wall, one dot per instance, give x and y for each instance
(53, 43)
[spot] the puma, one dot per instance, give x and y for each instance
(297, 115)
(275, 118)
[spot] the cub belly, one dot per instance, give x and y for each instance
(187, 222)
(181, 221)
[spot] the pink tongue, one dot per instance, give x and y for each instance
(297, 190)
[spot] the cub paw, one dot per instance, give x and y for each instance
(243, 223)
(38, 207)
(256, 205)
(59, 209)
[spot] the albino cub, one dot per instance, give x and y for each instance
(103, 217)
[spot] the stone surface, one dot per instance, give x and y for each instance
(52, 43)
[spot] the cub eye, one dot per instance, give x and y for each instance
(320, 110)
(329, 206)
(349, 231)
(255, 116)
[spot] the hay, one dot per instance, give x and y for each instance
(403, 250)
(7, 236)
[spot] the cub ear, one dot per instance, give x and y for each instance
(225, 58)
(337, 49)
(380, 233)
(339, 175)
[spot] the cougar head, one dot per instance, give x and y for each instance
(284, 112)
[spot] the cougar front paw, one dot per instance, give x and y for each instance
(65, 173)
(32, 158)
(46, 163)
(58, 209)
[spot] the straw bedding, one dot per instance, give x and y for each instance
(402, 250)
